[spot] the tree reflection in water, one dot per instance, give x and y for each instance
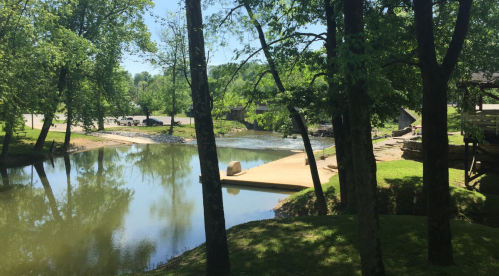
(169, 165)
(73, 234)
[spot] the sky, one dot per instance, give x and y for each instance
(221, 56)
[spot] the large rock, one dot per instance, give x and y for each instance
(233, 168)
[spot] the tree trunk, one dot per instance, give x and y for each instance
(67, 137)
(435, 141)
(147, 118)
(48, 190)
(363, 156)
(217, 252)
(40, 142)
(173, 95)
(338, 103)
(348, 164)
(436, 173)
(321, 201)
(5, 147)
(339, 143)
(49, 117)
(100, 112)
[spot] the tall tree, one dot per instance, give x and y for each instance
(110, 27)
(435, 142)
(172, 56)
(363, 157)
(217, 252)
(294, 113)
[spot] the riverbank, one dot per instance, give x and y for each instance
(21, 146)
(322, 244)
(400, 193)
(21, 153)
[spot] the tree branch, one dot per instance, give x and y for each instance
(260, 78)
(400, 61)
(460, 31)
(229, 14)
(317, 75)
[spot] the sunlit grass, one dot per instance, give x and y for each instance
(326, 245)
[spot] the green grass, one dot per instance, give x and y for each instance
(399, 186)
(186, 131)
(22, 147)
(414, 113)
(386, 129)
(453, 125)
(327, 245)
(453, 120)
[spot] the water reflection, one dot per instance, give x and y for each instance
(115, 210)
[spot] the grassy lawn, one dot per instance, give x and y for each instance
(186, 131)
(327, 245)
(386, 129)
(399, 185)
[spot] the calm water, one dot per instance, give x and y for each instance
(116, 210)
(257, 139)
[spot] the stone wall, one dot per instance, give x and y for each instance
(397, 133)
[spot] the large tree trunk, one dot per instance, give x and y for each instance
(363, 157)
(339, 143)
(5, 147)
(338, 103)
(217, 252)
(47, 122)
(100, 112)
(49, 117)
(435, 141)
(48, 190)
(67, 137)
(321, 201)
(348, 165)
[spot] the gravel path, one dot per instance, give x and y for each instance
(158, 138)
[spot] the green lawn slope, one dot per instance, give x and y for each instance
(327, 245)
(399, 185)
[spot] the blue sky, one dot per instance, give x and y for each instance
(222, 55)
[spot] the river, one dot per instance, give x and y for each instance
(117, 209)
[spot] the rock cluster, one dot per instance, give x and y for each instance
(323, 132)
(158, 138)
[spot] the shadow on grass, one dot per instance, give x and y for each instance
(489, 184)
(327, 245)
(402, 197)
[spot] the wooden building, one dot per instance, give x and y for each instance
(480, 123)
